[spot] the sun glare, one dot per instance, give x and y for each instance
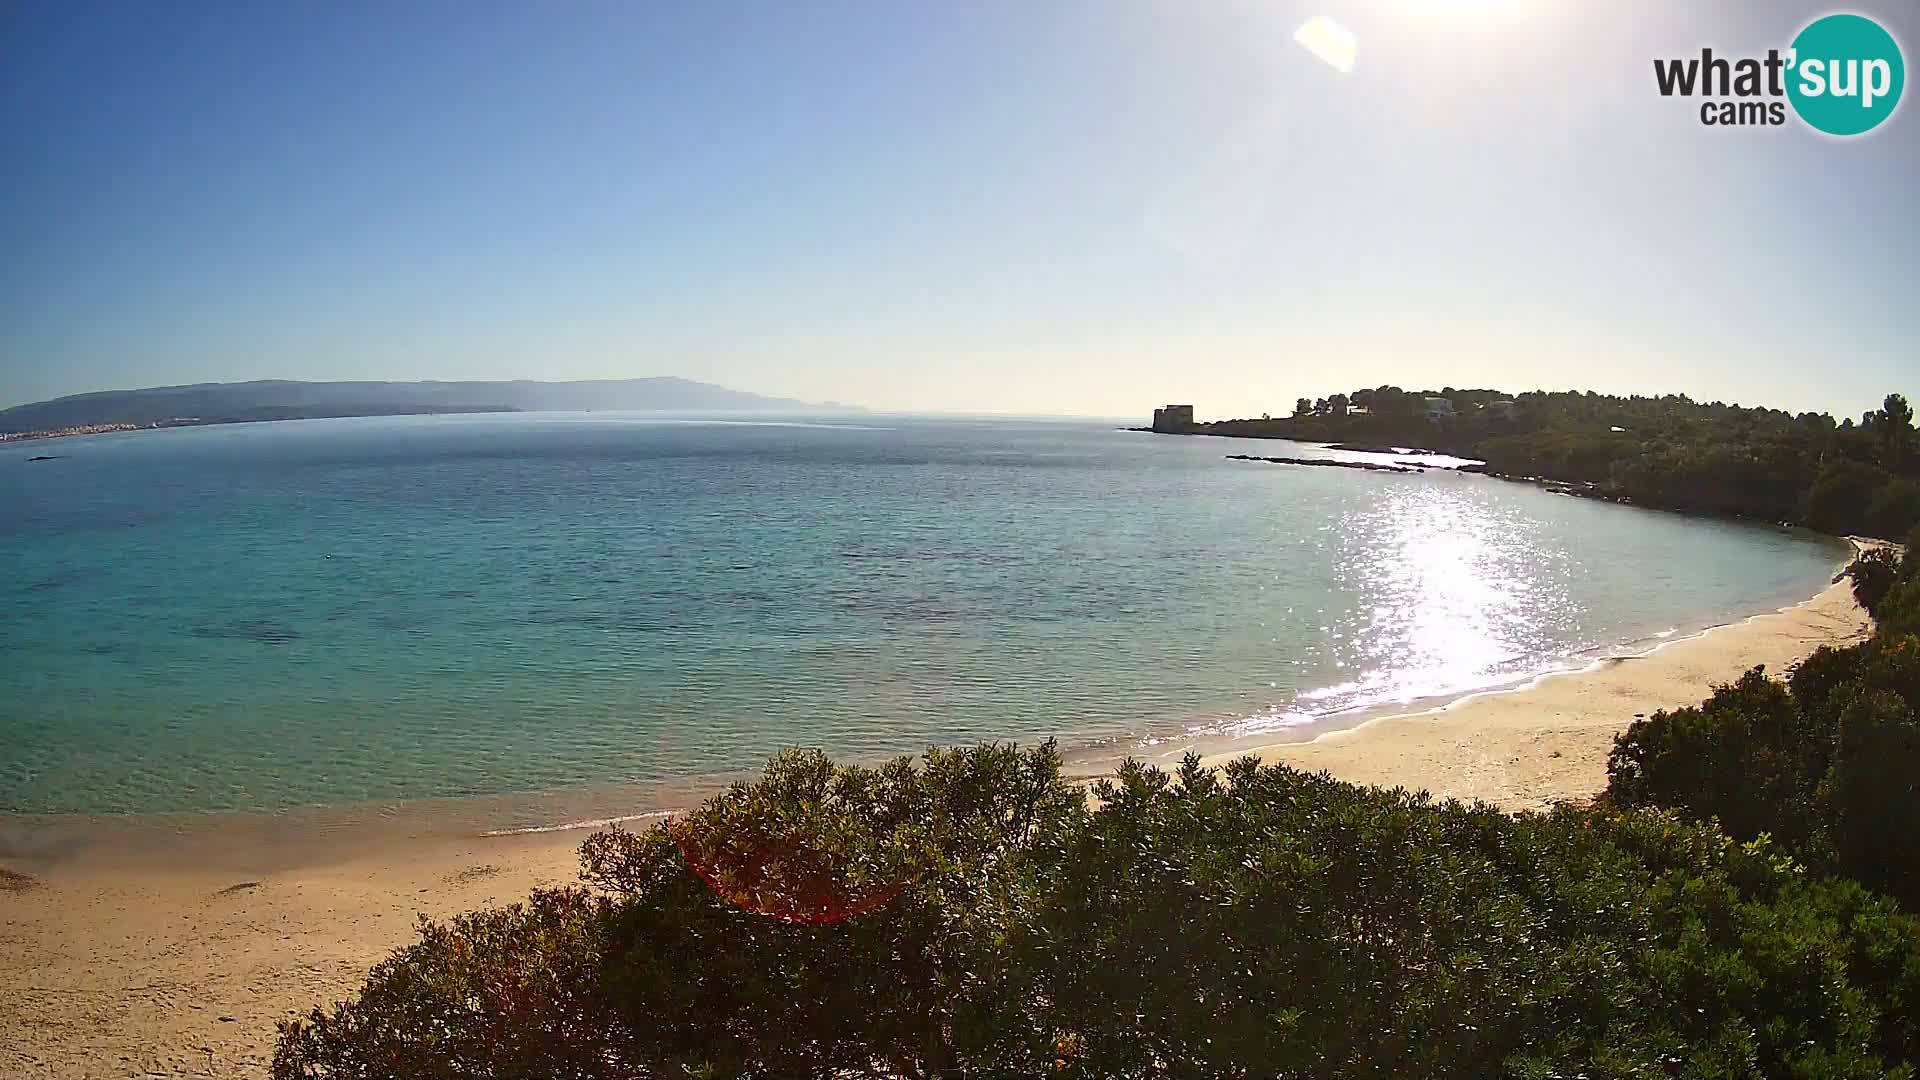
(1329, 41)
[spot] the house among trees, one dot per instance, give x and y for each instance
(1439, 408)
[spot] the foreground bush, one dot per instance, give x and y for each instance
(1874, 574)
(970, 915)
(1827, 764)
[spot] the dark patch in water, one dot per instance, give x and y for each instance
(46, 457)
(240, 888)
(346, 612)
(267, 633)
(933, 555)
(15, 882)
(620, 622)
(51, 583)
(912, 609)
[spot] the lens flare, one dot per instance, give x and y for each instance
(783, 875)
(1329, 41)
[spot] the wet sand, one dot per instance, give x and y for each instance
(176, 950)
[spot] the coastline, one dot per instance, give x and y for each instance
(1546, 741)
(130, 956)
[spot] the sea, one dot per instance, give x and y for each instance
(258, 617)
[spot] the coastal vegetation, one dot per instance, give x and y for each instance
(1672, 452)
(1825, 764)
(1740, 902)
(974, 913)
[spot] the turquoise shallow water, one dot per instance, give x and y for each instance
(319, 612)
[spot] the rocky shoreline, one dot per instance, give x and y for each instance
(1369, 466)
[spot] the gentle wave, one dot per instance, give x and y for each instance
(569, 826)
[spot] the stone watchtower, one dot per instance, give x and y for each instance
(1173, 418)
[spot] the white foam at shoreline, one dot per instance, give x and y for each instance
(1243, 733)
(565, 826)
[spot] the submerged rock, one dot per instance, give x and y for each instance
(270, 633)
(1368, 466)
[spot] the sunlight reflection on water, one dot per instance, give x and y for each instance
(1455, 592)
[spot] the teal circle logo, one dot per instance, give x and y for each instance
(1846, 74)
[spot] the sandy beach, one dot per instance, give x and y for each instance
(176, 954)
(1547, 742)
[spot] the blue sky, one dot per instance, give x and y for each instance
(1037, 206)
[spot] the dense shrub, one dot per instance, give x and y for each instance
(513, 992)
(1895, 508)
(1828, 763)
(821, 920)
(1899, 608)
(1745, 757)
(1874, 574)
(1870, 795)
(1842, 495)
(1263, 922)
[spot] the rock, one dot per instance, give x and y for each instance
(1367, 466)
(1369, 448)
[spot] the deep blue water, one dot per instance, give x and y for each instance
(271, 615)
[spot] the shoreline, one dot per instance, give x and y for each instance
(124, 956)
(1546, 740)
(1220, 747)
(1580, 489)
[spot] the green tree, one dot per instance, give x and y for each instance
(1264, 922)
(1872, 795)
(1895, 507)
(1828, 763)
(1659, 451)
(1740, 758)
(819, 920)
(1873, 575)
(1841, 496)
(1893, 425)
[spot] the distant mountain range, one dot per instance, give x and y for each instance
(215, 403)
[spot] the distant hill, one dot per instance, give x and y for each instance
(280, 400)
